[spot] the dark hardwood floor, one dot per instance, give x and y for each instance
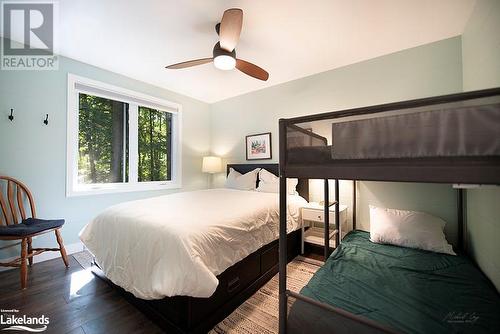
(74, 299)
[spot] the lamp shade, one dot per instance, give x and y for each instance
(211, 165)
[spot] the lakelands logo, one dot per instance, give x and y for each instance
(28, 30)
(16, 322)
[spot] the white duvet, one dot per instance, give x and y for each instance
(177, 244)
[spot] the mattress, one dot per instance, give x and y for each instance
(177, 244)
(409, 290)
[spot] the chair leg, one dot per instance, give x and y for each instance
(24, 269)
(30, 250)
(61, 248)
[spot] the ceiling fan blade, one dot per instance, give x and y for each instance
(189, 63)
(230, 28)
(252, 70)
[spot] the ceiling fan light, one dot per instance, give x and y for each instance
(224, 62)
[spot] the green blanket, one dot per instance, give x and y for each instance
(410, 290)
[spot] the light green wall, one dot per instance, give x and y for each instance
(481, 69)
(428, 70)
(481, 47)
(483, 225)
(36, 154)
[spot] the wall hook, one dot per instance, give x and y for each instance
(11, 116)
(46, 120)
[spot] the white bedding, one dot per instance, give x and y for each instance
(177, 244)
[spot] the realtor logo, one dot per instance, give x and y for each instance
(11, 320)
(28, 31)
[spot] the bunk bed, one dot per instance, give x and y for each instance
(365, 287)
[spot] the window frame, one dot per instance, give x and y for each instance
(77, 85)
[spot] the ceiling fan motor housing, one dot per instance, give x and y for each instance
(218, 51)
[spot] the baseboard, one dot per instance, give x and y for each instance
(45, 256)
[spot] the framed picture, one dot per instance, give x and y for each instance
(259, 146)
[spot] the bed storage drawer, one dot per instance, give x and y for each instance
(241, 275)
(269, 258)
(231, 281)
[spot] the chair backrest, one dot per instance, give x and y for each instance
(13, 195)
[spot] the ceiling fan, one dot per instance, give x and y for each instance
(224, 53)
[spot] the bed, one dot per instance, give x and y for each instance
(399, 287)
(199, 254)
(450, 139)
(446, 138)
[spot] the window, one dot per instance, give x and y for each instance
(155, 147)
(102, 140)
(120, 140)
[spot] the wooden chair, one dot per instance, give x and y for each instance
(19, 227)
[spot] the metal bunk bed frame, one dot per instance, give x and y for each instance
(473, 170)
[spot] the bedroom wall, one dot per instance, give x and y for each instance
(481, 47)
(428, 70)
(36, 154)
(481, 69)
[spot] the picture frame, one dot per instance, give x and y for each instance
(258, 146)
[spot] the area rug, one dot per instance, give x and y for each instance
(84, 259)
(259, 314)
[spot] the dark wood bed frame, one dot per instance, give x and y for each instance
(184, 314)
(472, 170)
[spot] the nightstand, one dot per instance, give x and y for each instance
(314, 213)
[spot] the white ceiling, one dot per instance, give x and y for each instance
(289, 38)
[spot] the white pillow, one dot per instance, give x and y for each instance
(408, 229)
(236, 180)
(270, 183)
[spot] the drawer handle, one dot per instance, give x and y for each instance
(233, 284)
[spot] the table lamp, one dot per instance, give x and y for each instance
(211, 165)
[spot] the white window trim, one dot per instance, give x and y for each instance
(131, 97)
